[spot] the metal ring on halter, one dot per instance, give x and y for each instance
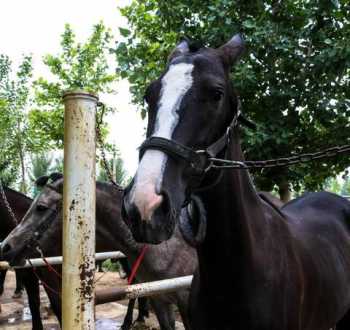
(228, 134)
(204, 153)
(38, 248)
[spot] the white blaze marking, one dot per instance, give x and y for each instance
(175, 84)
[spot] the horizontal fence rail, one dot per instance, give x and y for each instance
(142, 290)
(40, 262)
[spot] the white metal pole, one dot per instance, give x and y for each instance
(143, 290)
(39, 262)
(79, 203)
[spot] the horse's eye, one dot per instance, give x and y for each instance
(41, 207)
(217, 95)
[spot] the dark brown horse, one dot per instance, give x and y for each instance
(6, 225)
(282, 269)
(20, 204)
(171, 259)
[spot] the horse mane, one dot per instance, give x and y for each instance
(194, 45)
(54, 177)
(17, 192)
(108, 187)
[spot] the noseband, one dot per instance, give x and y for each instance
(198, 161)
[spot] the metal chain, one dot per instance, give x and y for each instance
(99, 139)
(286, 161)
(233, 164)
(7, 204)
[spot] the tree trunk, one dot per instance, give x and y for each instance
(23, 186)
(284, 192)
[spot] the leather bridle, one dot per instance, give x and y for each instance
(198, 161)
(33, 241)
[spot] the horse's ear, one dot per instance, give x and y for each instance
(41, 181)
(181, 49)
(56, 176)
(233, 49)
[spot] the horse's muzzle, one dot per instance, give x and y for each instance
(153, 231)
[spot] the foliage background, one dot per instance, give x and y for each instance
(31, 111)
(293, 81)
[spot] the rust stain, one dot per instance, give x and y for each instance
(86, 273)
(72, 205)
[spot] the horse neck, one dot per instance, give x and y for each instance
(6, 222)
(235, 219)
(19, 205)
(111, 231)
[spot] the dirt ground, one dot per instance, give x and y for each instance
(15, 313)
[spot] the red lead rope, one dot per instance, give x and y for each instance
(51, 269)
(41, 281)
(137, 264)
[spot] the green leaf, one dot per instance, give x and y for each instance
(124, 32)
(296, 59)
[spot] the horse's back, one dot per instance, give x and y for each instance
(320, 223)
(319, 206)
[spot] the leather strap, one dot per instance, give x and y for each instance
(170, 147)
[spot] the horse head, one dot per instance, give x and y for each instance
(190, 107)
(40, 224)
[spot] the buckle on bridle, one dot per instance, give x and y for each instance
(228, 134)
(204, 153)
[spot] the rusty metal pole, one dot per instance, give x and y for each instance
(79, 203)
(143, 290)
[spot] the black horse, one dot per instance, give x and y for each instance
(6, 225)
(171, 259)
(20, 204)
(283, 269)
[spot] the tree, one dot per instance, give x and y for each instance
(293, 82)
(345, 190)
(332, 185)
(40, 165)
(116, 166)
(78, 66)
(43, 164)
(58, 165)
(7, 170)
(16, 140)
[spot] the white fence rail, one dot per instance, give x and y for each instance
(39, 262)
